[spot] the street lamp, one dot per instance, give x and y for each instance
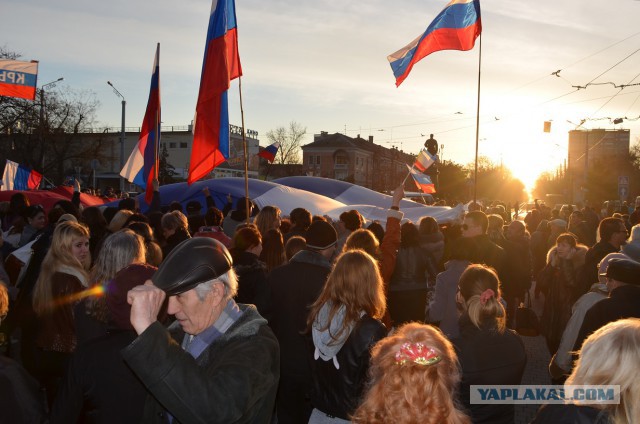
(124, 105)
(42, 106)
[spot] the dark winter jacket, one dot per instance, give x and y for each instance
(233, 381)
(252, 281)
(173, 240)
(487, 252)
(623, 302)
(570, 414)
(294, 287)
(99, 386)
(338, 392)
(488, 357)
(589, 273)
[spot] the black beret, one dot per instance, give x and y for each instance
(623, 270)
(321, 235)
(192, 262)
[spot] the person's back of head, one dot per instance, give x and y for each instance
(300, 218)
(175, 206)
(127, 204)
(409, 235)
(608, 227)
(213, 217)
(119, 220)
(610, 356)
(351, 219)
(193, 207)
(428, 225)
(414, 378)
(480, 288)
(294, 245)
(363, 240)
(377, 230)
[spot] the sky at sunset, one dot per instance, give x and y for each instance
(323, 64)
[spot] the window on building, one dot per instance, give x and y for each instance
(341, 160)
(311, 158)
(172, 145)
(183, 145)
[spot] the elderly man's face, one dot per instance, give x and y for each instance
(193, 314)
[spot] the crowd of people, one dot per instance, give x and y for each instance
(245, 315)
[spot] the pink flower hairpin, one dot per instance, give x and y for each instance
(417, 353)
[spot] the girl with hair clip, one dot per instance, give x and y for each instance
(63, 276)
(609, 356)
(345, 324)
(488, 352)
(414, 379)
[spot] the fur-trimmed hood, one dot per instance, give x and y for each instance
(577, 259)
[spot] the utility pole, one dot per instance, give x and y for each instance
(122, 134)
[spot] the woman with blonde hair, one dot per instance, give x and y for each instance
(63, 276)
(488, 352)
(414, 379)
(117, 252)
(119, 220)
(345, 324)
(268, 218)
(609, 356)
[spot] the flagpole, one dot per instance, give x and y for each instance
(158, 123)
(475, 175)
(246, 157)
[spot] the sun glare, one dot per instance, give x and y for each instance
(525, 154)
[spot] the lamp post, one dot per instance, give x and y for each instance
(42, 106)
(124, 105)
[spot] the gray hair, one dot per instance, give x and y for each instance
(228, 279)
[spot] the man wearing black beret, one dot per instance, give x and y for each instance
(219, 361)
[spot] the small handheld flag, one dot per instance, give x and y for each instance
(269, 152)
(455, 28)
(423, 182)
(19, 177)
(424, 160)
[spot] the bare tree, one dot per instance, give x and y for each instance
(289, 139)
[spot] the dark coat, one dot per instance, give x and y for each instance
(233, 381)
(21, 399)
(517, 270)
(173, 240)
(488, 357)
(570, 414)
(487, 252)
(338, 392)
(294, 287)
(99, 386)
(623, 302)
(252, 281)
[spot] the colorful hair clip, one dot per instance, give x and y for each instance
(418, 354)
(486, 295)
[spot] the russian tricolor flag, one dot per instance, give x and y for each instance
(424, 160)
(423, 182)
(140, 168)
(269, 152)
(18, 78)
(455, 28)
(221, 64)
(19, 177)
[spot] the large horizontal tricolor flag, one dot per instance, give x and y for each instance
(424, 160)
(269, 152)
(19, 177)
(423, 182)
(221, 64)
(18, 78)
(141, 166)
(455, 28)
